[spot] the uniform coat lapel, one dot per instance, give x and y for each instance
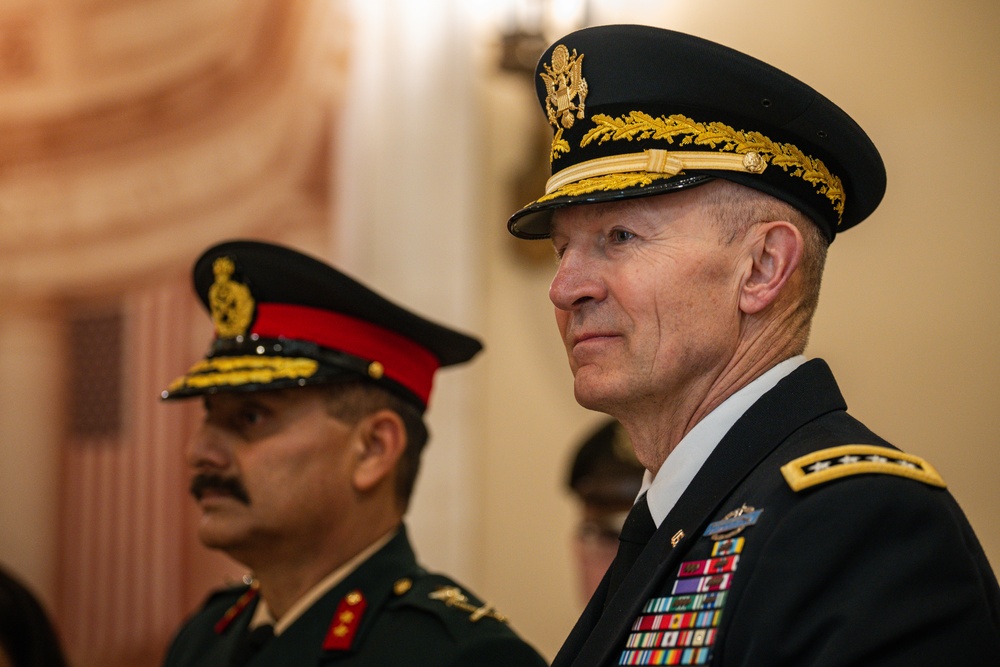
(807, 393)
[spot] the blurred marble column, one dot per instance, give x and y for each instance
(406, 176)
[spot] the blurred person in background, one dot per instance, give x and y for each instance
(604, 478)
(27, 636)
(314, 390)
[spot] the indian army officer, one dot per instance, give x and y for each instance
(314, 392)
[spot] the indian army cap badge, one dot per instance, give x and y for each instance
(639, 111)
(285, 319)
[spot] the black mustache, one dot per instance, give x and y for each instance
(228, 485)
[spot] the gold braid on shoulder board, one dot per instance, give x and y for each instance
(827, 465)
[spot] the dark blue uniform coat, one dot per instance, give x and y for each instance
(862, 569)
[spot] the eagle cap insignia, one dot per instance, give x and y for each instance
(566, 93)
(230, 301)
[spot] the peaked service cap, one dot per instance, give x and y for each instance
(640, 111)
(285, 319)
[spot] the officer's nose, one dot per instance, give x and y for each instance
(577, 281)
(207, 449)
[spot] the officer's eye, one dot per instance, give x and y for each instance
(619, 235)
(250, 415)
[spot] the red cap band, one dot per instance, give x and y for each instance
(402, 360)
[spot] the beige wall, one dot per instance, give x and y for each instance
(909, 314)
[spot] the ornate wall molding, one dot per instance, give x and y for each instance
(132, 135)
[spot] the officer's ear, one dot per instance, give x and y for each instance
(382, 437)
(775, 251)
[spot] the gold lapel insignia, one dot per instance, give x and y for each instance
(567, 91)
(402, 586)
(230, 302)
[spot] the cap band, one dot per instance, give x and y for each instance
(401, 359)
(639, 126)
(654, 160)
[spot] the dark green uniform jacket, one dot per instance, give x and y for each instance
(850, 556)
(389, 611)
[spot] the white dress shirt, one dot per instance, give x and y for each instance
(690, 454)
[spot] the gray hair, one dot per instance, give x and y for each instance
(737, 209)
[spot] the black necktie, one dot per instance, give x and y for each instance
(249, 644)
(636, 531)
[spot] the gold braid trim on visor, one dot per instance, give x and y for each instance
(656, 161)
(731, 150)
(236, 371)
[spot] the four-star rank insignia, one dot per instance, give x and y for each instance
(846, 460)
(231, 303)
(567, 92)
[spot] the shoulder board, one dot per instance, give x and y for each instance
(846, 460)
(438, 593)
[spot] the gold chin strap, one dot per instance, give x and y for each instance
(657, 161)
